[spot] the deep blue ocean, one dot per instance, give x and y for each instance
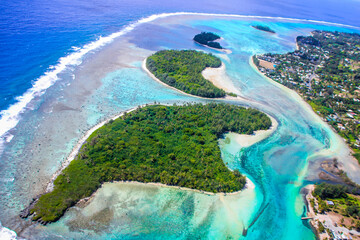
(35, 34)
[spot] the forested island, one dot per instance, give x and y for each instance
(325, 71)
(208, 38)
(263, 28)
(182, 70)
(173, 145)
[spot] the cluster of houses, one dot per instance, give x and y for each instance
(299, 70)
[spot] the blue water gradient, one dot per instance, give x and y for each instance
(110, 80)
(34, 35)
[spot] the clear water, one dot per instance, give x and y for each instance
(110, 80)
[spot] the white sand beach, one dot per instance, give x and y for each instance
(219, 78)
(245, 140)
(215, 75)
(249, 185)
(224, 50)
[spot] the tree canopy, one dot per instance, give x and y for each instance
(173, 145)
(264, 28)
(208, 38)
(182, 70)
(326, 190)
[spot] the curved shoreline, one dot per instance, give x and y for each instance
(227, 97)
(224, 50)
(290, 20)
(240, 138)
(249, 185)
(10, 119)
(219, 78)
(79, 144)
(295, 95)
(245, 140)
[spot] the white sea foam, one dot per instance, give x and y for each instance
(7, 234)
(7, 180)
(10, 117)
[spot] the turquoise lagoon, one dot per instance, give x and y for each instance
(110, 80)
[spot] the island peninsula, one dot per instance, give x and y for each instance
(172, 145)
(183, 71)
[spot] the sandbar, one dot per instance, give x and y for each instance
(219, 78)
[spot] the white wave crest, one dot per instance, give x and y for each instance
(10, 117)
(7, 234)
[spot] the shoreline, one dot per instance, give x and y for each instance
(288, 90)
(297, 96)
(329, 219)
(74, 152)
(249, 185)
(218, 77)
(107, 39)
(76, 149)
(226, 97)
(306, 192)
(224, 50)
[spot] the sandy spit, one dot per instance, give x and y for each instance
(219, 78)
(249, 185)
(224, 50)
(78, 146)
(247, 140)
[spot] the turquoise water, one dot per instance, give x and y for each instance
(111, 80)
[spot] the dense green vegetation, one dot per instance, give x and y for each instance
(326, 190)
(264, 28)
(345, 203)
(357, 155)
(325, 71)
(174, 145)
(208, 38)
(182, 70)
